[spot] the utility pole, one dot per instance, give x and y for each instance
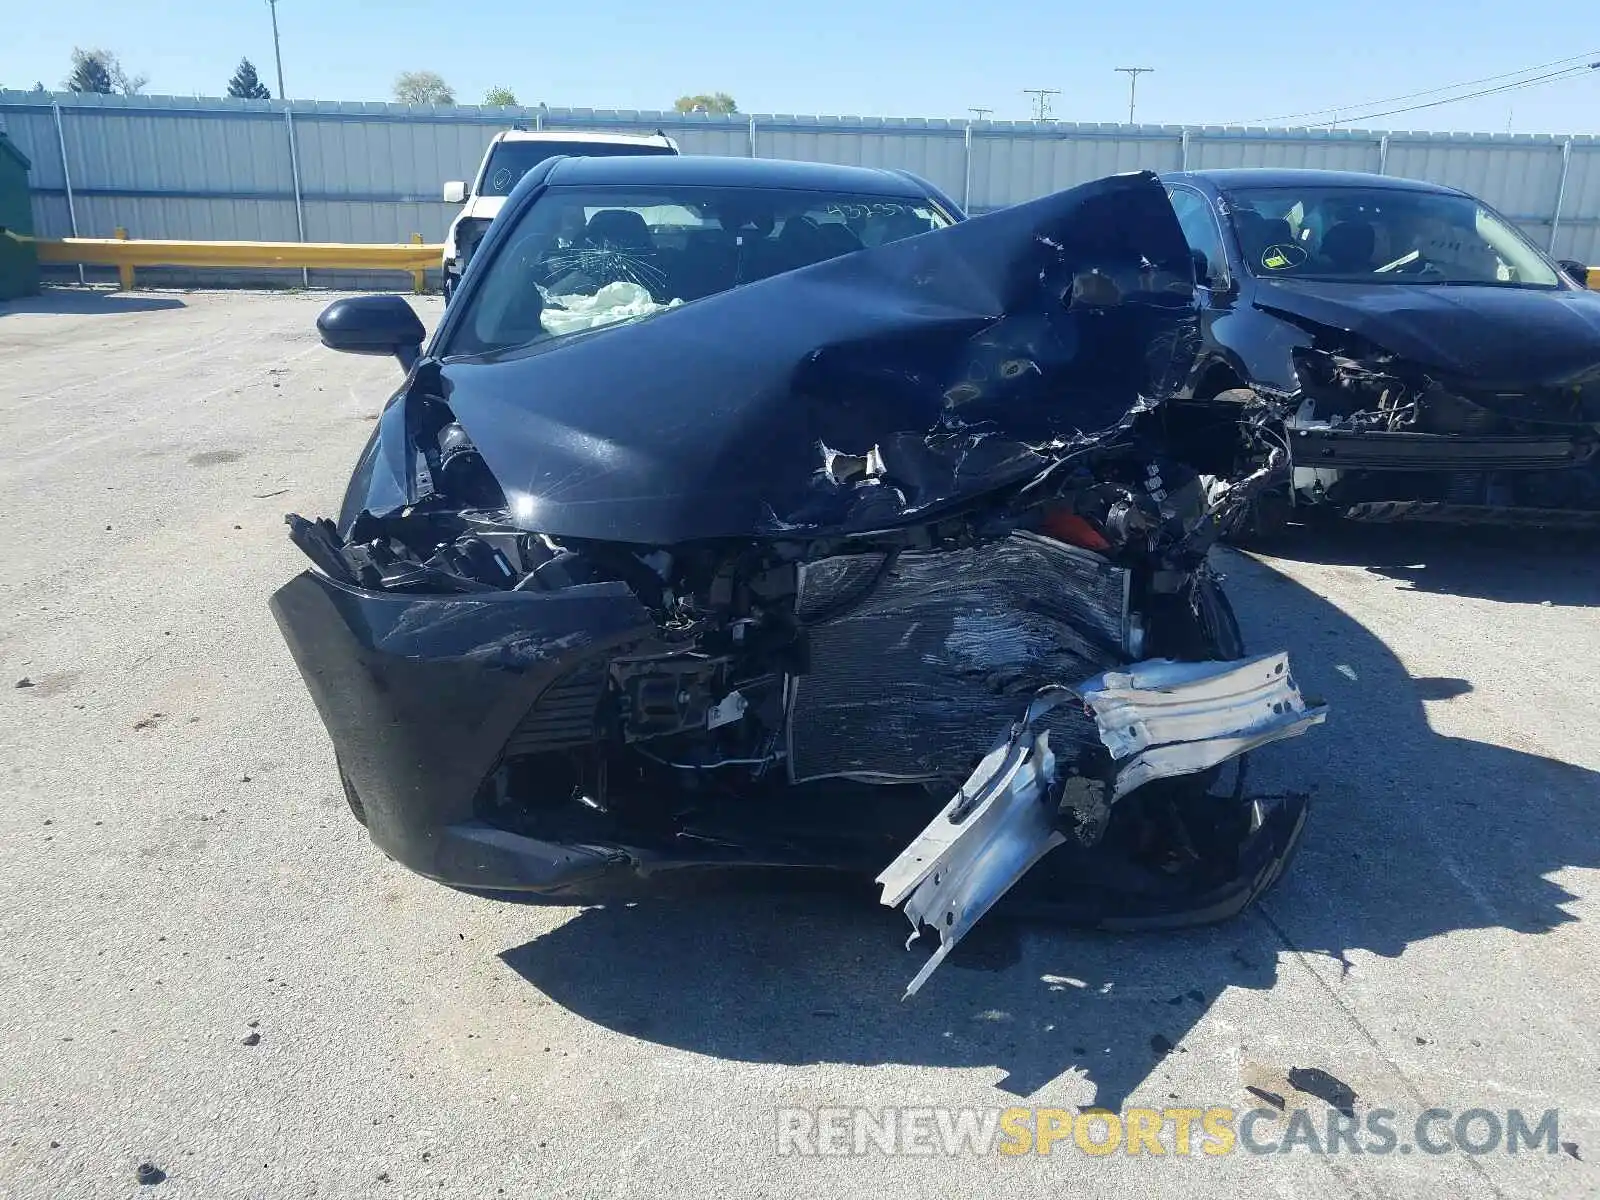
(1041, 101)
(1133, 74)
(277, 52)
(980, 114)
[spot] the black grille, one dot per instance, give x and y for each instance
(564, 713)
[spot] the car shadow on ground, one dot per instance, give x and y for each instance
(89, 302)
(1412, 835)
(1515, 566)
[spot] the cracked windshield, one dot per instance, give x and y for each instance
(582, 258)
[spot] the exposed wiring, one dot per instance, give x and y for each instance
(724, 762)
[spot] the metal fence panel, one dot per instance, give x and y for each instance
(1578, 235)
(34, 132)
(403, 161)
(1517, 176)
(1216, 149)
(213, 168)
(936, 153)
(170, 152)
(187, 218)
(375, 221)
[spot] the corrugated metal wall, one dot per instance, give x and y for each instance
(205, 168)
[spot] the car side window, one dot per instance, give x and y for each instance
(1199, 225)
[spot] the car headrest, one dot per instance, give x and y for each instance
(1349, 245)
(618, 228)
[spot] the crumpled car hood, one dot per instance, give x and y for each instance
(1496, 338)
(969, 358)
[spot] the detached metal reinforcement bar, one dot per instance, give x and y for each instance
(126, 254)
(1384, 451)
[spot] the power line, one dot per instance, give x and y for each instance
(1133, 74)
(1041, 101)
(277, 52)
(1335, 109)
(1568, 73)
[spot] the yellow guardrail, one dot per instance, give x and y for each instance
(415, 256)
(126, 254)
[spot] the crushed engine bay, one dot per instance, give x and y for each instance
(1444, 430)
(777, 577)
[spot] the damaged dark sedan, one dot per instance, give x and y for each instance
(883, 564)
(1409, 351)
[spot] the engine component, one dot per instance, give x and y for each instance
(665, 695)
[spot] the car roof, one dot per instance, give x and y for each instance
(736, 172)
(584, 135)
(1236, 177)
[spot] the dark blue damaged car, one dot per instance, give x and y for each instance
(763, 514)
(1408, 350)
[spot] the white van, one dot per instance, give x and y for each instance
(510, 156)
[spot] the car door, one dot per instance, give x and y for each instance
(1215, 288)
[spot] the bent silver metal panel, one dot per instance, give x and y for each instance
(1158, 719)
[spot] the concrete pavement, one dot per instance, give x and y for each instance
(179, 876)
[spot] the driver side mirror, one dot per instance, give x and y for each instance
(455, 192)
(373, 325)
(1576, 271)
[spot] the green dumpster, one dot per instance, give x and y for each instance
(19, 265)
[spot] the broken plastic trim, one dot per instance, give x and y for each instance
(1157, 718)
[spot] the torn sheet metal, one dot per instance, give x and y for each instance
(995, 828)
(952, 363)
(1522, 353)
(1157, 718)
(1163, 718)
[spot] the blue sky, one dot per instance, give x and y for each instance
(1233, 60)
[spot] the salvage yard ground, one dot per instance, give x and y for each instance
(209, 969)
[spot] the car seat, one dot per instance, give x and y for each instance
(1347, 247)
(618, 229)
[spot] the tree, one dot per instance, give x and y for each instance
(504, 97)
(101, 71)
(246, 84)
(716, 102)
(89, 72)
(128, 85)
(423, 87)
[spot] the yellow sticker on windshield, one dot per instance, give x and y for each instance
(1284, 256)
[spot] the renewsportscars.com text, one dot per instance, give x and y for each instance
(1177, 1132)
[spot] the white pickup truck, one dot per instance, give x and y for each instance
(510, 156)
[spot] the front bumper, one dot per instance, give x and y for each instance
(420, 695)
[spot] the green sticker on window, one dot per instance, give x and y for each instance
(1284, 256)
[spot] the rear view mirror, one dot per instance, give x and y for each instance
(1576, 271)
(455, 192)
(373, 325)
